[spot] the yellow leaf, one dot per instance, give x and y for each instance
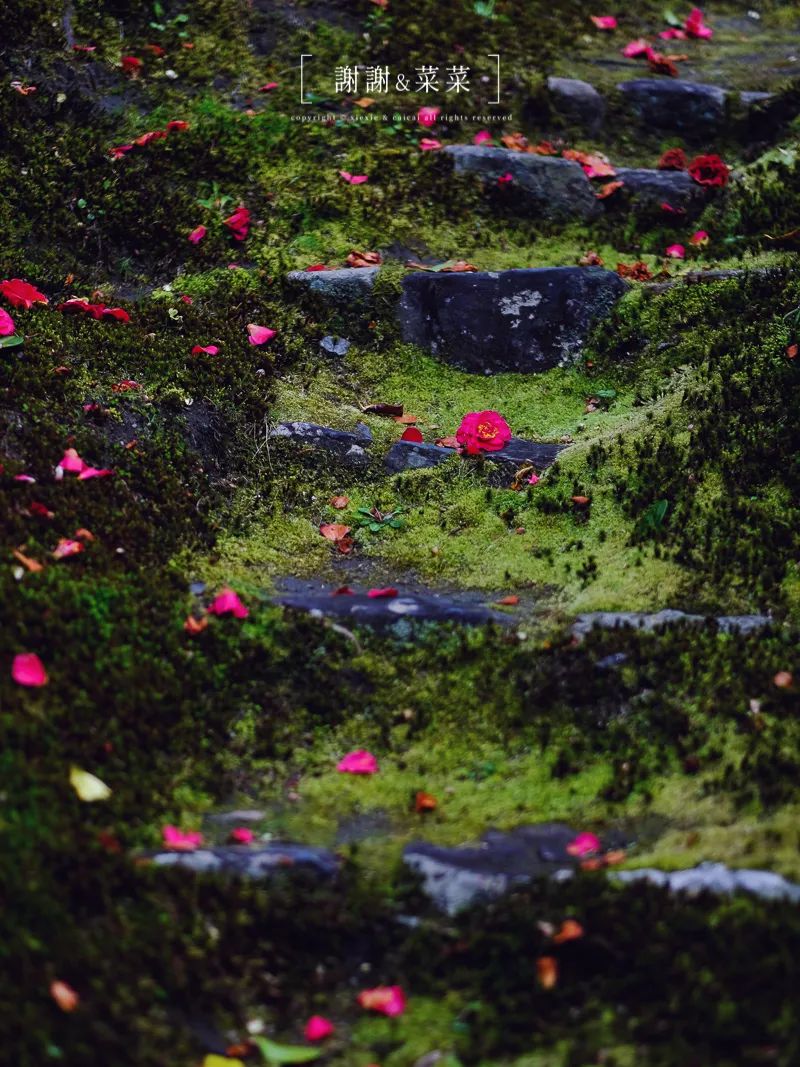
(220, 1061)
(87, 786)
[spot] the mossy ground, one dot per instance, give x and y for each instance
(689, 745)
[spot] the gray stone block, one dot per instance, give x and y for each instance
(513, 320)
(668, 104)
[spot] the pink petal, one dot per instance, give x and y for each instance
(428, 144)
(211, 350)
(358, 762)
(505, 179)
(317, 1028)
(72, 462)
(24, 478)
(676, 251)
(28, 669)
(426, 116)
(699, 238)
(66, 548)
(6, 324)
(180, 840)
(583, 844)
(259, 335)
(94, 472)
(268, 87)
(534, 478)
(388, 1000)
(635, 48)
(242, 835)
(482, 137)
(388, 591)
(604, 22)
(353, 179)
(197, 234)
(672, 35)
(227, 602)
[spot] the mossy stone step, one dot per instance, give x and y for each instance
(525, 320)
(518, 453)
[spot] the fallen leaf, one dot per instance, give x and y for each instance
(64, 995)
(608, 190)
(33, 565)
(194, 626)
(87, 786)
(509, 601)
(334, 531)
(383, 409)
(547, 972)
(570, 931)
(339, 502)
(425, 802)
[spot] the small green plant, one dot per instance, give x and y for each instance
(374, 520)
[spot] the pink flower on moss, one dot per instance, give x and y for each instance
(673, 34)
(695, 26)
(268, 87)
(584, 844)
(358, 762)
(210, 350)
(604, 22)
(259, 335)
(633, 49)
(71, 462)
(426, 116)
(676, 251)
(483, 431)
(27, 669)
(482, 137)
(227, 602)
(700, 237)
(318, 1028)
(181, 840)
(197, 234)
(94, 472)
(387, 1000)
(429, 144)
(7, 326)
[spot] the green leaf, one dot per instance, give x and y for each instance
(671, 19)
(397, 524)
(181, 18)
(375, 527)
(275, 1054)
(606, 394)
(158, 9)
(485, 8)
(11, 342)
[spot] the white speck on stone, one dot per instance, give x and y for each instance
(403, 606)
(512, 305)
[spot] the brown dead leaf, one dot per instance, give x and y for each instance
(547, 971)
(406, 420)
(570, 931)
(33, 565)
(394, 410)
(364, 101)
(590, 259)
(364, 259)
(447, 442)
(339, 502)
(608, 189)
(194, 626)
(425, 802)
(460, 266)
(509, 601)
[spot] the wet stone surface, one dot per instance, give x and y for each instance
(385, 612)
(349, 448)
(692, 109)
(251, 861)
(650, 621)
(578, 102)
(337, 286)
(455, 878)
(513, 320)
(501, 466)
(654, 187)
(558, 188)
(717, 878)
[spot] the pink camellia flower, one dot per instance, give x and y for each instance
(259, 335)
(388, 1000)
(426, 116)
(676, 251)
(21, 294)
(72, 462)
(7, 326)
(700, 237)
(239, 223)
(28, 669)
(604, 22)
(210, 350)
(695, 26)
(268, 87)
(482, 137)
(584, 844)
(353, 179)
(429, 144)
(94, 472)
(228, 603)
(673, 35)
(242, 835)
(358, 762)
(636, 48)
(181, 840)
(318, 1028)
(197, 234)
(483, 431)
(505, 179)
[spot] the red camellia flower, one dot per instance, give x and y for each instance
(131, 65)
(483, 431)
(673, 159)
(239, 223)
(21, 294)
(709, 170)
